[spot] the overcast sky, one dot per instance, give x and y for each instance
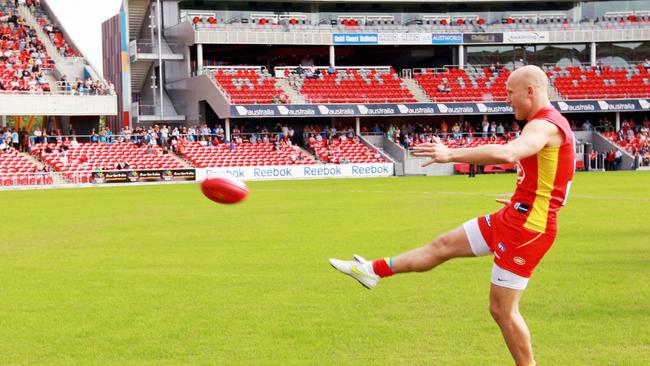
(83, 20)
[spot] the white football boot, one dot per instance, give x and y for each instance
(359, 269)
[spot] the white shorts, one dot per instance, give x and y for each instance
(500, 277)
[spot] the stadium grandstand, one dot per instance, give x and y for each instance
(174, 199)
(195, 85)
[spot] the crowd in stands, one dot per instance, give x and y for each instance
(89, 86)
(338, 145)
(22, 56)
(56, 36)
(204, 147)
(634, 137)
(16, 168)
(17, 139)
(456, 133)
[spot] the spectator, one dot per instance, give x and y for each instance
(500, 130)
(493, 127)
(485, 127)
(611, 159)
(38, 135)
(309, 73)
(592, 158)
(618, 159)
(94, 137)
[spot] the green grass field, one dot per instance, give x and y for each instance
(159, 275)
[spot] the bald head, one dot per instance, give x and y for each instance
(530, 75)
(527, 89)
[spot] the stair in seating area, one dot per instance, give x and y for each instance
(56, 178)
(553, 93)
(416, 90)
(294, 96)
(179, 159)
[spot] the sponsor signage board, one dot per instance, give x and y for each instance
(300, 171)
(134, 176)
(482, 38)
(355, 38)
(424, 109)
(526, 37)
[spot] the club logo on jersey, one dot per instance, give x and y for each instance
(521, 174)
(519, 260)
(522, 207)
(501, 247)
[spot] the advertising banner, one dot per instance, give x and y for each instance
(355, 38)
(602, 105)
(300, 171)
(149, 175)
(397, 38)
(447, 38)
(404, 38)
(526, 37)
(424, 109)
(482, 38)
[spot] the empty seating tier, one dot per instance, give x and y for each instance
(586, 82)
(250, 86)
(463, 85)
(345, 152)
(355, 86)
(243, 154)
(18, 170)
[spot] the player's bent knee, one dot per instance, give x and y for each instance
(501, 314)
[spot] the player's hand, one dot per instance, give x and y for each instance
(436, 151)
(503, 202)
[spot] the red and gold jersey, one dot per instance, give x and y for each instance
(544, 179)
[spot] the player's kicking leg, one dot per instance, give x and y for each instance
(449, 245)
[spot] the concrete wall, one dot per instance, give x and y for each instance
(602, 144)
(187, 93)
(379, 142)
(48, 105)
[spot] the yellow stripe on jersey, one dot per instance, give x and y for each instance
(547, 160)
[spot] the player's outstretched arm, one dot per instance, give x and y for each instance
(535, 135)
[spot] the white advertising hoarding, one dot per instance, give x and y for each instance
(287, 172)
(526, 37)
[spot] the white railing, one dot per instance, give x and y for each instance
(58, 89)
(279, 71)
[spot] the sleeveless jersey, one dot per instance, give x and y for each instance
(544, 180)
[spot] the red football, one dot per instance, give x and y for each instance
(224, 189)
